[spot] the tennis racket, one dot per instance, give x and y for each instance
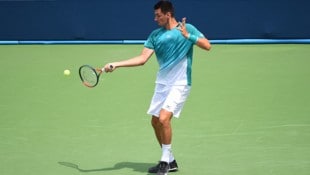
(90, 76)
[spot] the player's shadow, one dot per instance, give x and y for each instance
(137, 167)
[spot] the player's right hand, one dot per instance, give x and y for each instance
(109, 67)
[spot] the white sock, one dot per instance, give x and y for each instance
(166, 152)
(171, 158)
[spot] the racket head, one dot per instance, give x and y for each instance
(89, 76)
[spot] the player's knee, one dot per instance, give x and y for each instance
(164, 121)
(165, 117)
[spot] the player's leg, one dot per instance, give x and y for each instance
(166, 134)
(165, 126)
(166, 139)
(162, 127)
(163, 132)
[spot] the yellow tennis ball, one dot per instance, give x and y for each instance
(67, 72)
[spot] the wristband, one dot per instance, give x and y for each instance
(193, 38)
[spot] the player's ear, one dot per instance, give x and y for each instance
(168, 14)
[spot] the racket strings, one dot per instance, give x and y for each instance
(89, 76)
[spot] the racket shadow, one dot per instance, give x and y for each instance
(135, 166)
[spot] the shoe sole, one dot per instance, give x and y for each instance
(173, 169)
(170, 170)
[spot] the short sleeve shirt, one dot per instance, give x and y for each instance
(174, 54)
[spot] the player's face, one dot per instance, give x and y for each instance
(161, 18)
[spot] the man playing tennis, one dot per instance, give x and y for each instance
(173, 45)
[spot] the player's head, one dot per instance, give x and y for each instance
(163, 12)
(165, 6)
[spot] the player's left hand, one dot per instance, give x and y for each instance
(182, 28)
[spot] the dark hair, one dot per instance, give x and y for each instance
(165, 6)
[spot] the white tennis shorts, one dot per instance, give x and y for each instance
(170, 98)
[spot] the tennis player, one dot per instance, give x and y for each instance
(173, 45)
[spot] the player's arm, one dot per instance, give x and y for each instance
(200, 42)
(135, 61)
(203, 43)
